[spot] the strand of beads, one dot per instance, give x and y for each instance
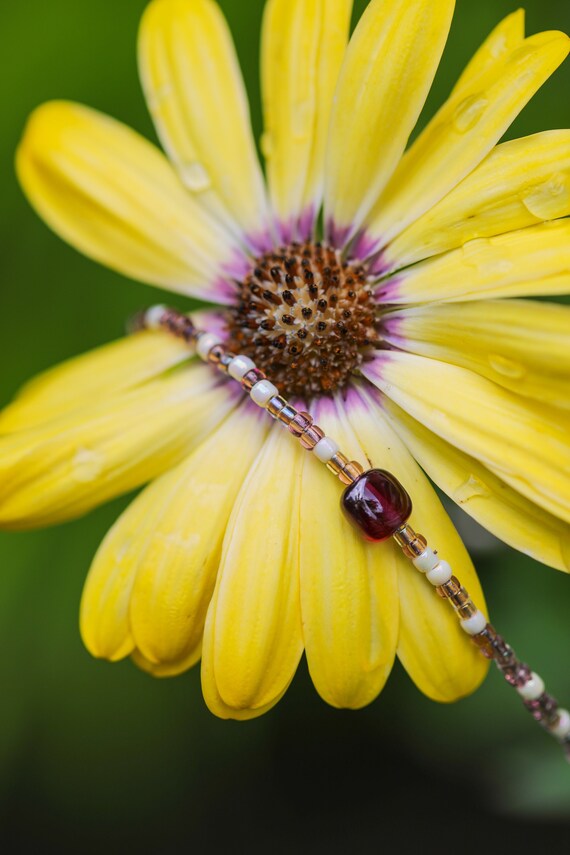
(529, 685)
(379, 506)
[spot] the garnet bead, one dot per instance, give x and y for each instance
(377, 504)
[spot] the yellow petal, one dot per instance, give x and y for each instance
(195, 93)
(499, 44)
(302, 47)
(166, 669)
(64, 468)
(152, 578)
(520, 183)
(495, 505)
(526, 444)
(253, 640)
(104, 611)
(213, 699)
(464, 130)
(103, 372)
(527, 262)
(115, 197)
(432, 647)
(523, 345)
(389, 67)
(349, 589)
(186, 516)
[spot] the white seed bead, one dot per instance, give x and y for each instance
(325, 449)
(239, 366)
(562, 727)
(440, 574)
(426, 561)
(205, 344)
(532, 689)
(153, 315)
(262, 392)
(474, 624)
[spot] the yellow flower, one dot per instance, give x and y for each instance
(405, 345)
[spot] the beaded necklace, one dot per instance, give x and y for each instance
(377, 505)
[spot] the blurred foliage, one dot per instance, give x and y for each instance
(94, 755)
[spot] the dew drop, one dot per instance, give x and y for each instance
(550, 199)
(468, 112)
(470, 489)
(486, 258)
(86, 465)
(506, 367)
(195, 176)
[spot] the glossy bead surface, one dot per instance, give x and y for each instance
(377, 504)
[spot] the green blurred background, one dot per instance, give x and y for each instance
(96, 756)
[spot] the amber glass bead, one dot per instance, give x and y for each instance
(299, 424)
(275, 405)
(449, 589)
(287, 414)
(216, 353)
(377, 504)
(251, 378)
(311, 436)
(337, 463)
(351, 472)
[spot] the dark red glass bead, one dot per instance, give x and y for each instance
(377, 504)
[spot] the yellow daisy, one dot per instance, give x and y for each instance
(395, 329)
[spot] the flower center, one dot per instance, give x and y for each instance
(305, 317)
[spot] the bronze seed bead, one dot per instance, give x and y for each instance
(405, 535)
(225, 360)
(337, 463)
(351, 472)
(467, 610)
(449, 589)
(216, 353)
(300, 423)
(251, 378)
(459, 599)
(287, 414)
(311, 436)
(275, 405)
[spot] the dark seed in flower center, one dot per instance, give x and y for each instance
(306, 318)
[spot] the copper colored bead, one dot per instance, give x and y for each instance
(311, 436)
(482, 641)
(467, 610)
(275, 405)
(415, 547)
(251, 378)
(287, 414)
(351, 472)
(216, 353)
(338, 462)
(461, 598)
(300, 423)
(225, 360)
(449, 589)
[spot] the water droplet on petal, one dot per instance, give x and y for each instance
(195, 176)
(468, 112)
(550, 199)
(506, 367)
(470, 489)
(487, 258)
(86, 465)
